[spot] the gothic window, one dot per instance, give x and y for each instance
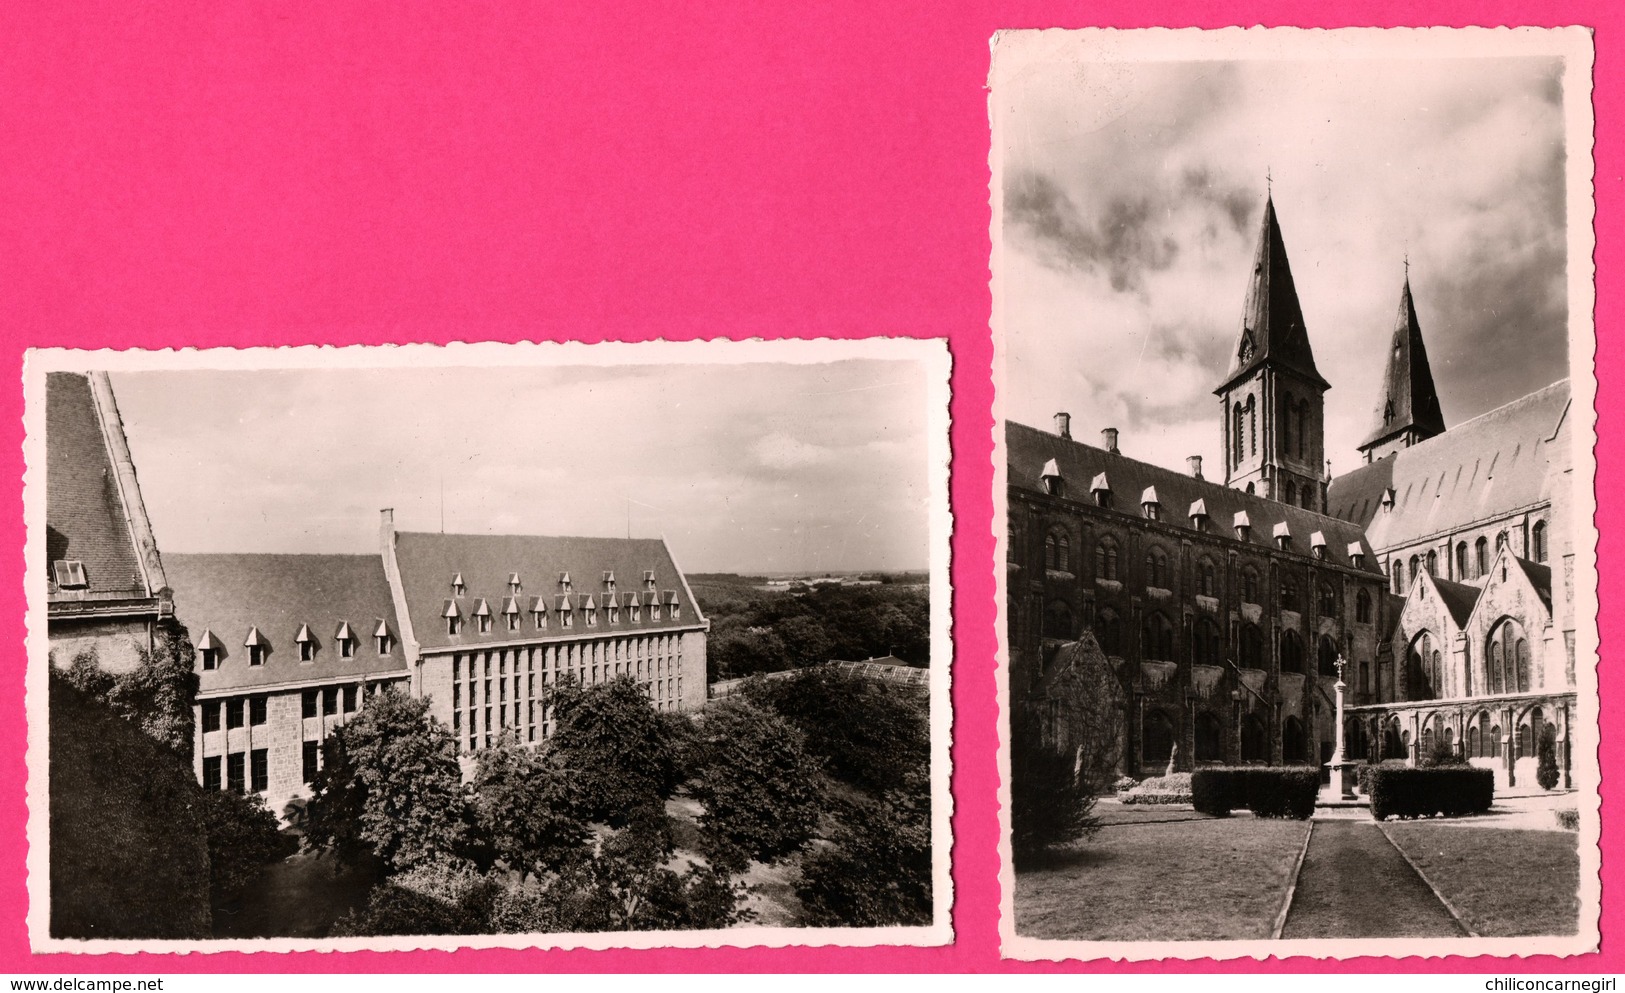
(1303, 426)
(1252, 647)
(1286, 433)
(1157, 638)
(1249, 584)
(1416, 563)
(1328, 657)
(1500, 541)
(1538, 541)
(1308, 497)
(1109, 631)
(1419, 663)
(1207, 577)
(1206, 643)
(1294, 745)
(1106, 559)
(1481, 559)
(1209, 738)
(1157, 738)
(1495, 741)
(1362, 607)
(1254, 739)
(1461, 561)
(1058, 621)
(1058, 550)
(1236, 439)
(1394, 577)
(1291, 652)
(1252, 427)
(1495, 663)
(1289, 594)
(1433, 563)
(1291, 492)
(1156, 568)
(1328, 601)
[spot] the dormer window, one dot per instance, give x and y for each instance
(634, 610)
(482, 617)
(510, 613)
(609, 581)
(672, 609)
(1150, 504)
(382, 637)
(457, 586)
(307, 644)
(1054, 485)
(256, 647)
(590, 607)
(1198, 515)
(210, 658)
(1317, 545)
(1243, 525)
(1283, 536)
(1101, 487)
(70, 574)
(346, 640)
(538, 614)
(453, 618)
(564, 582)
(566, 612)
(1356, 555)
(648, 579)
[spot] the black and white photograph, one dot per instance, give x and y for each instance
(1295, 418)
(495, 645)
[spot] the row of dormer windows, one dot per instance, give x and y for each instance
(212, 654)
(565, 584)
(634, 612)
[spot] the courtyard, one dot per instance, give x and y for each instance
(1167, 873)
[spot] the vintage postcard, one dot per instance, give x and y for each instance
(1294, 419)
(489, 645)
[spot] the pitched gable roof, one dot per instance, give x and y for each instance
(1029, 448)
(1408, 398)
(1458, 598)
(486, 561)
(281, 596)
(1272, 327)
(1494, 464)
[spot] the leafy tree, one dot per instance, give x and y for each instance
(1440, 753)
(745, 652)
(762, 792)
(1051, 799)
(525, 806)
(440, 895)
(85, 674)
(157, 694)
(877, 870)
(391, 785)
(243, 838)
(805, 640)
(621, 754)
(1546, 773)
(870, 735)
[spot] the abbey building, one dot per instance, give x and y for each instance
(1439, 571)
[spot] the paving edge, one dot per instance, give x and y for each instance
(1292, 884)
(1448, 906)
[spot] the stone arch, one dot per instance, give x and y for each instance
(1291, 652)
(1506, 657)
(1109, 631)
(1106, 558)
(1421, 680)
(1058, 549)
(1255, 741)
(1328, 656)
(1209, 737)
(1156, 739)
(1157, 637)
(1207, 642)
(1252, 647)
(1294, 742)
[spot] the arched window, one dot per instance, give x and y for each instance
(1209, 738)
(1474, 742)
(1291, 652)
(1289, 594)
(1294, 746)
(1157, 740)
(1398, 568)
(1303, 429)
(1416, 566)
(1255, 742)
(1328, 657)
(1157, 638)
(1207, 644)
(1252, 647)
(1058, 621)
(1495, 741)
(1109, 631)
(1058, 550)
(1252, 427)
(1249, 584)
(1207, 577)
(1308, 497)
(1287, 413)
(1237, 438)
(1482, 732)
(1328, 600)
(1291, 492)
(1461, 561)
(1362, 607)
(1481, 556)
(1538, 541)
(1156, 567)
(1433, 563)
(1524, 749)
(1418, 663)
(1500, 541)
(1508, 658)
(1436, 677)
(1106, 559)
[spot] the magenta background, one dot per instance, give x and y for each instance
(264, 174)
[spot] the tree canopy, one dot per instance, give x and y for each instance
(762, 792)
(622, 754)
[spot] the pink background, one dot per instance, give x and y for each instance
(202, 174)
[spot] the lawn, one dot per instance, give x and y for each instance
(1161, 874)
(1503, 882)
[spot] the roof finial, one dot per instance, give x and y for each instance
(1269, 183)
(1407, 265)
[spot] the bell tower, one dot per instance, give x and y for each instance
(1408, 406)
(1272, 402)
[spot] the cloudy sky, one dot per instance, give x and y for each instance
(749, 468)
(1133, 193)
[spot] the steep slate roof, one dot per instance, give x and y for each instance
(1493, 464)
(84, 514)
(1540, 577)
(1029, 448)
(1272, 327)
(1408, 398)
(427, 562)
(277, 594)
(1459, 598)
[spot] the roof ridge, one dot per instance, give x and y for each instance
(1526, 398)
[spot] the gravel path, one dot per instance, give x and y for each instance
(1354, 884)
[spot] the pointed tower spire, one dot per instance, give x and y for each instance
(1272, 328)
(1407, 408)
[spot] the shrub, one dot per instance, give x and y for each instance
(1568, 818)
(1050, 803)
(243, 839)
(1179, 782)
(1441, 753)
(1267, 791)
(1125, 783)
(1216, 792)
(1449, 792)
(1154, 799)
(1546, 771)
(1364, 777)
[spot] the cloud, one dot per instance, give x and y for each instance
(780, 451)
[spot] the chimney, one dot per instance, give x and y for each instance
(1195, 462)
(1063, 425)
(1108, 440)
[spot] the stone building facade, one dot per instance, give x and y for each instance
(1440, 570)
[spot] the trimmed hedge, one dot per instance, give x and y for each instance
(1363, 778)
(1154, 797)
(1446, 792)
(1267, 791)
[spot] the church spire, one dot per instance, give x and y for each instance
(1408, 405)
(1272, 327)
